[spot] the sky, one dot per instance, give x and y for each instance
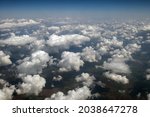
(24, 8)
(71, 56)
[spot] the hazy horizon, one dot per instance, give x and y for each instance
(71, 8)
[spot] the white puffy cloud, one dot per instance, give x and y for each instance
(108, 44)
(116, 77)
(102, 49)
(2, 82)
(148, 96)
(31, 85)
(133, 47)
(65, 41)
(35, 63)
(58, 78)
(122, 54)
(86, 79)
(17, 23)
(17, 40)
(77, 94)
(69, 29)
(4, 59)
(113, 42)
(89, 54)
(7, 91)
(117, 65)
(126, 52)
(148, 74)
(37, 45)
(146, 27)
(92, 31)
(54, 28)
(70, 61)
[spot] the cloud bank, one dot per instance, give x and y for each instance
(17, 23)
(17, 40)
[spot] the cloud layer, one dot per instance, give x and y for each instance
(17, 23)
(92, 55)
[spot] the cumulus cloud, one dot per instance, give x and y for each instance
(77, 94)
(65, 41)
(17, 40)
(108, 44)
(17, 23)
(70, 61)
(4, 59)
(102, 49)
(89, 54)
(53, 28)
(93, 31)
(35, 63)
(58, 78)
(116, 77)
(7, 91)
(2, 82)
(37, 45)
(133, 47)
(146, 27)
(148, 74)
(126, 52)
(122, 54)
(148, 96)
(117, 65)
(86, 79)
(113, 42)
(31, 85)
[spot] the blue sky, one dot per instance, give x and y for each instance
(24, 8)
